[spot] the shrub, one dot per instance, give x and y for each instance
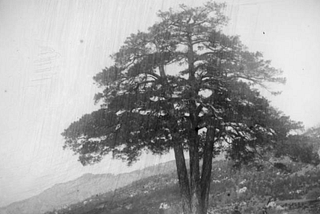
(313, 194)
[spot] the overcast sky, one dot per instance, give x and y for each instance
(50, 50)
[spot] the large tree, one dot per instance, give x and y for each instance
(184, 86)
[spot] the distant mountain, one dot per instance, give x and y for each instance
(88, 185)
(140, 197)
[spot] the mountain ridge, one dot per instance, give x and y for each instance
(63, 194)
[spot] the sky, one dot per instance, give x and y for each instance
(50, 50)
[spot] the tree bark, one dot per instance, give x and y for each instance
(194, 192)
(183, 178)
(206, 170)
(194, 173)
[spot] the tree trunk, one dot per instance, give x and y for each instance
(194, 175)
(206, 170)
(197, 188)
(194, 190)
(190, 189)
(183, 178)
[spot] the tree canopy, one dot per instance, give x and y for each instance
(183, 85)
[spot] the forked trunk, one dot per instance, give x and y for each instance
(194, 190)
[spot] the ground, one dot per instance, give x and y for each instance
(294, 191)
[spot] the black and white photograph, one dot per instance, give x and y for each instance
(159, 107)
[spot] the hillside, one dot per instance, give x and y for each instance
(296, 192)
(143, 191)
(314, 133)
(88, 185)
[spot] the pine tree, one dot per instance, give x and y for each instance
(184, 86)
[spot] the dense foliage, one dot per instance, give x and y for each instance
(299, 148)
(183, 85)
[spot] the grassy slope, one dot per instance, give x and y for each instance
(146, 195)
